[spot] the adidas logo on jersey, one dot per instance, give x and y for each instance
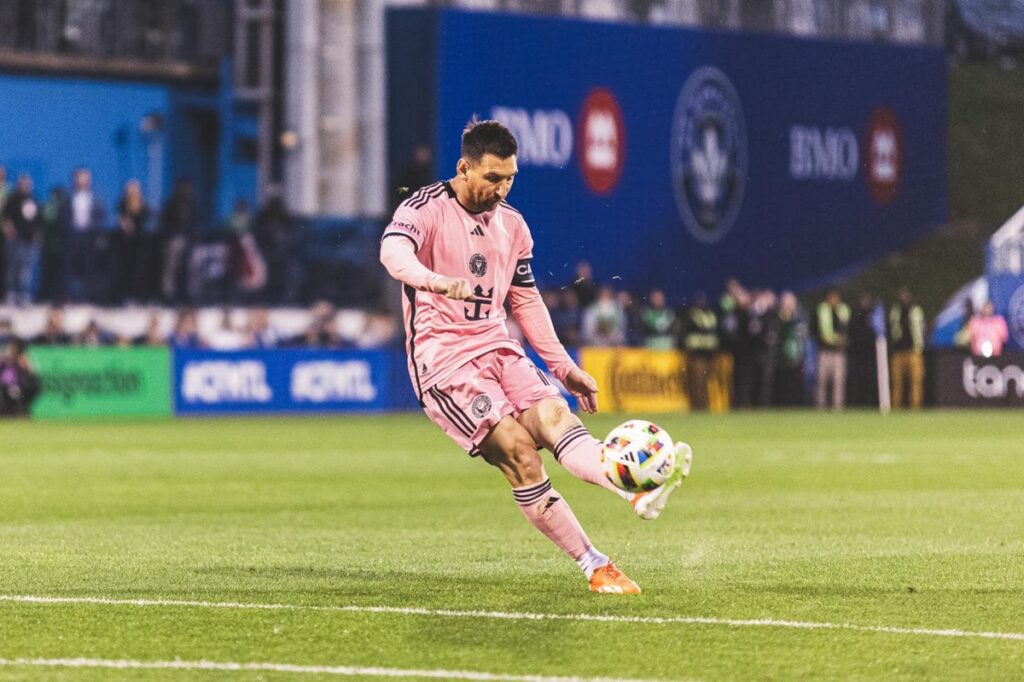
(478, 231)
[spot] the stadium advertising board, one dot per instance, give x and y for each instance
(682, 157)
(637, 380)
(273, 381)
(961, 380)
(102, 382)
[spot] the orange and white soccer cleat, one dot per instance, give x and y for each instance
(649, 505)
(610, 580)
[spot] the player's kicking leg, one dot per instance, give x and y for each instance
(555, 427)
(511, 449)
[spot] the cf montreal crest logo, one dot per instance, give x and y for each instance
(708, 154)
(481, 406)
(1015, 313)
(478, 264)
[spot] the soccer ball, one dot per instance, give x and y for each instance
(638, 456)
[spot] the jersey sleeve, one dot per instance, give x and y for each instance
(414, 224)
(523, 274)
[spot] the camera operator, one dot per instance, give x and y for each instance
(19, 384)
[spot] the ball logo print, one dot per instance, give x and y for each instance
(481, 406)
(602, 134)
(708, 154)
(478, 264)
(884, 156)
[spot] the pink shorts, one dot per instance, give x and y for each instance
(471, 401)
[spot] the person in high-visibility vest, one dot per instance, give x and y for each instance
(906, 341)
(700, 341)
(832, 327)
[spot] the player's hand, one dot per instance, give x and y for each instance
(455, 288)
(583, 386)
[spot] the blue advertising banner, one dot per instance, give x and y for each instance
(682, 157)
(271, 381)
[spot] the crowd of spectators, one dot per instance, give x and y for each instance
(760, 348)
(231, 328)
(70, 247)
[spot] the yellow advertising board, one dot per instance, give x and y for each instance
(637, 379)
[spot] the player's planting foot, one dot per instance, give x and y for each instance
(610, 580)
(648, 506)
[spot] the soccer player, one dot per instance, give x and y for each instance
(461, 251)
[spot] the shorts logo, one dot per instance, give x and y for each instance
(708, 154)
(478, 264)
(481, 406)
(1015, 315)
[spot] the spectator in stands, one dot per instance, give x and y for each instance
(566, 316)
(186, 330)
(766, 320)
(832, 326)
(988, 332)
(658, 323)
(604, 321)
(133, 216)
(23, 233)
(321, 332)
(419, 172)
(861, 356)
(273, 228)
(259, 331)
(83, 218)
(19, 383)
(962, 339)
(584, 285)
(6, 331)
(634, 335)
(93, 337)
(906, 342)
(700, 341)
(789, 378)
(52, 273)
(154, 335)
(744, 345)
(722, 392)
(178, 227)
(53, 332)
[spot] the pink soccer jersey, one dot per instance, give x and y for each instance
(491, 249)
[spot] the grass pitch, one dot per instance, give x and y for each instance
(912, 522)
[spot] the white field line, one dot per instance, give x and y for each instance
(345, 670)
(503, 615)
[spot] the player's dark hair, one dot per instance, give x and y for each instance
(487, 137)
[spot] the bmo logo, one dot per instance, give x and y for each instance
(548, 139)
(544, 135)
(602, 141)
(884, 156)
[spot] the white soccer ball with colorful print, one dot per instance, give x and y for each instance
(638, 456)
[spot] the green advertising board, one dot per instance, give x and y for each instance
(102, 382)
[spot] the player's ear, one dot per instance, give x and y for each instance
(462, 167)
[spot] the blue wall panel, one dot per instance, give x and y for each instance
(800, 125)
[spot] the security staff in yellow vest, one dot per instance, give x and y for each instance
(906, 341)
(700, 341)
(832, 326)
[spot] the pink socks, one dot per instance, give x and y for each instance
(548, 512)
(580, 454)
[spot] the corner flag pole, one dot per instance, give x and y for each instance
(882, 361)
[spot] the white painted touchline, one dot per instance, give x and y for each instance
(502, 615)
(349, 671)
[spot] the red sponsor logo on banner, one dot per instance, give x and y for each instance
(601, 149)
(884, 156)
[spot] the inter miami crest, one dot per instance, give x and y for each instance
(478, 264)
(481, 406)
